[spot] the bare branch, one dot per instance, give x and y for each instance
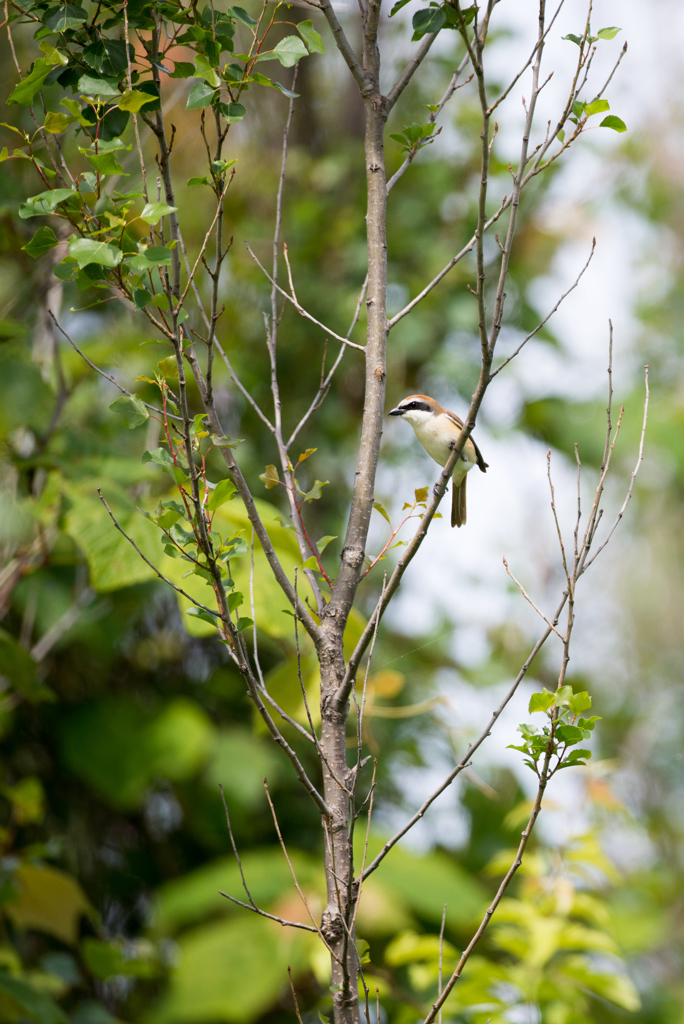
(547, 317)
(465, 760)
(531, 602)
(106, 376)
(300, 309)
(409, 71)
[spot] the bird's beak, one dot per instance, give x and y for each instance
(396, 412)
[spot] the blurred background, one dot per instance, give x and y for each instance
(121, 716)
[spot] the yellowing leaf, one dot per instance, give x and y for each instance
(270, 477)
(50, 901)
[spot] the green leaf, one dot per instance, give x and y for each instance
(562, 696)
(421, 494)
(223, 492)
(573, 38)
(27, 89)
(270, 477)
(310, 36)
(88, 250)
(153, 212)
(100, 88)
(133, 100)
(597, 107)
(323, 543)
(310, 563)
(39, 1007)
(541, 701)
(201, 95)
(289, 50)
(106, 960)
(235, 600)
(203, 69)
(199, 613)
(153, 256)
(241, 15)
(561, 135)
(54, 55)
(429, 19)
(397, 7)
(131, 409)
(224, 441)
(608, 33)
(57, 123)
(182, 69)
(232, 111)
(569, 734)
(613, 122)
(19, 669)
(315, 492)
(43, 240)
(65, 17)
(580, 702)
(104, 163)
(199, 181)
(286, 92)
(243, 623)
(383, 512)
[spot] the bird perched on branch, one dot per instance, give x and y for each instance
(437, 429)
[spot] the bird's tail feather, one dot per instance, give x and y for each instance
(458, 503)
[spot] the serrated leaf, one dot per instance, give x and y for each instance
(57, 123)
(201, 95)
(383, 512)
(240, 14)
(429, 19)
(131, 409)
(563, 696)
(199, 613)
(580, 702)
(168, 367)
(29, 87)
(232, 112)
(597, 107)
(153, 256)
(541, 701)
(315, 492)
(608, 33)
(310, 37)
(65, 17)
(43, 240)
(569, 734)
(88, 250)
(616, 123)
(153, 212)
(132, 100)
(224, 441)
(100, 88)
(203, 69)
(182, 69)
(223, 492)
(270, 477)
(289, 50)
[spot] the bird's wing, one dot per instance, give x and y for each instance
(459, 423)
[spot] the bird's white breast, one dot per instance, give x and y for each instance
(436, 436)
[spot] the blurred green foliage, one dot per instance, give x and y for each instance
(121, 715)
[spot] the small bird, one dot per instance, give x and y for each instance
(437, 429)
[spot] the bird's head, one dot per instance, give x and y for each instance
(416, 409)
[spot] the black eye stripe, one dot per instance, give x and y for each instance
(422, 406)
